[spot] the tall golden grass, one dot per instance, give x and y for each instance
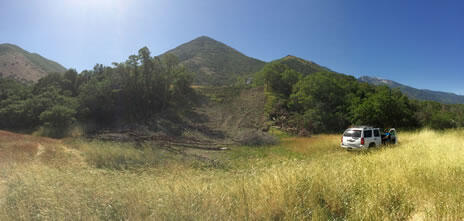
(302, 178)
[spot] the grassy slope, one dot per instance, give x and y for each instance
(20, 64)
(421, 178)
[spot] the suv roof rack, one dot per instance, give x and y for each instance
(362, 126)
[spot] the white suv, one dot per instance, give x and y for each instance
(361, 137)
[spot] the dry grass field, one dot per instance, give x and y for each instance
(300, 178)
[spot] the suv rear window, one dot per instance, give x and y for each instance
(352, 133)
(368, 133)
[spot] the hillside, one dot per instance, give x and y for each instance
(234, 113)
(213, 62)
(414, 93)
(303, 66)
(22, 65)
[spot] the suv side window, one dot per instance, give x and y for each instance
(368, 133)
(376, 133)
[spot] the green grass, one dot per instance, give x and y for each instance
(301, 178)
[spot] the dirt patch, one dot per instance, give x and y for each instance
(232, 111)
(6, 137)
(18, 151)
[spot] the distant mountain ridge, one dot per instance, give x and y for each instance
(213, 62)
(22, 65)
(414, 93)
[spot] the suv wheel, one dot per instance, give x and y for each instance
(371, 145)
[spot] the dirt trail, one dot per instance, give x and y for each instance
(77, 155)
(40, 150)
(75, 158)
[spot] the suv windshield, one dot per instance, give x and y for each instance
(352, 133)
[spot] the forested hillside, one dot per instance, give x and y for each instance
(302, 66)
(325, 102)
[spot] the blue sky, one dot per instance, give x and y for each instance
(418, 43)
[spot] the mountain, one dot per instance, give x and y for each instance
(414, 93)
(303, 66)
(22, 65)
(213, 62)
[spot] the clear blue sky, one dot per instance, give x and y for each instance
(418, 43)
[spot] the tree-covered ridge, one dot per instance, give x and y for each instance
(418, 94)
(325, 102)
(288, 62)
(132, 92)
(215, 63)
(22, 65)
(302, 66)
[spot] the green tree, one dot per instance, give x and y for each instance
(135, 91)
(323, 101)
(58, 119)
(384, 108)
(279, 79)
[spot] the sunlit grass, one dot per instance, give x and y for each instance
(301, 178)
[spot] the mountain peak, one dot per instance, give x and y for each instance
(213, 62)
(204, 37)
(5, 47)
(8, 45)
(205, 40)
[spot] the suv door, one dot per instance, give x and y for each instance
(393, 138)
(368, 138)
(377, 137)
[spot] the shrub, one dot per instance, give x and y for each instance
(57, 120)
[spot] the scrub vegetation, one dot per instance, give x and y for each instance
(300, 178)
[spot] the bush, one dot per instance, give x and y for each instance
(57, 120)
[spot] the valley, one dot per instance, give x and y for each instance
(204, 132)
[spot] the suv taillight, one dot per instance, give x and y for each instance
(341, 140)
(362, 141)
